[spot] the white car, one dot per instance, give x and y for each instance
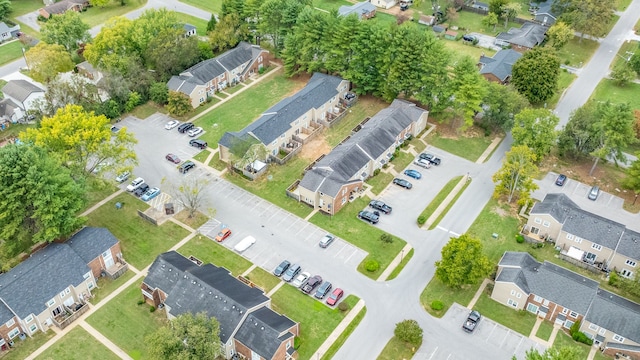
(423, 163)
(301, 279)
(244, 244)
(171, 124)
(195, 131)
(123, 177)
(135, 184)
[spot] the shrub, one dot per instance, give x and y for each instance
(343, 306)
(567, 62)
(579, 336)
(386, 238)
(437, 305)
(409, 331)
(376, 172)
(262, 70)
(296, 342)
(519, 238)
(613, 279)
(421, 220)
(152, 309)
(574, 328)
(371, 266)
(140, 302)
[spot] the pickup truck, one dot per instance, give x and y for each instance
(472, 321)
(430, 158)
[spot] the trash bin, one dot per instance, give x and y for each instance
(168, 208)
(118, 205)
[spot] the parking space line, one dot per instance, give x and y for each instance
(304, 227)
(505, 337)
(520, 343)
(350, 256)
(433, 353)
(491, 332)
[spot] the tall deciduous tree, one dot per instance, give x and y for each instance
(613, 132)
(81, 140)
(469, 88)
(622, 74)
(169, 53)
(178, 103)
(632, 181)
(590, 17)
(578, 137)
(66, 29)
(490, 20)
(555, 353)
(501, 105)
(187, 337)
(496, 6)
(509, 12)
(38, 198)
(228, 33)
(73, 89)
(114, 48)
(536, 128)
(515, 178)
(5, 9)
(536, 73)
(559, 35)
(278, 17)
(409, 331)
(190, 193)
(46, 61)
(463, 262)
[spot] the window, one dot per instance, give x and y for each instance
(538, 221)
(51, 302)
(593, 327)
(518, 295)
(10, 322)
(67, 291)
(631, 263)
(532, 308)
(596, 247)
(578, 240)
(513, 292)
(344, 200)
(569, 237)
(618, 338)
(87, 275)
(573, 314)
(90, 285)
(626, 273)
(33, 328)
(568, 324)
(288, 344)
(535, 230)
(546, 224)
(512, 303)
(28, 319)
(537, 298)
(545, 302)
(13, 333)
(565, 311)
(602, 331)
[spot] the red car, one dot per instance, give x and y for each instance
(173, 158)
(335, 296)
(223, 234)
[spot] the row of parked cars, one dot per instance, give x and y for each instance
(293, 274)
(140, 188)
(191, 130)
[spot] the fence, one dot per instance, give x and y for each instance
(579, 263)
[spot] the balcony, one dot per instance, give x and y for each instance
(69, 314)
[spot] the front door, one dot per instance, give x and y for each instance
(108, 259)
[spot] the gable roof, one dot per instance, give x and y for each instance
(544, 8)
(7, 107)
(91, 242)
(62, 6)
(615, 314)
(277, 120)
(188, 27)
(629, 244)
(20, 89)
(500, 64)
(548, 280)
(361, 8)
(529, 35)
(3, 27)
(264, 330)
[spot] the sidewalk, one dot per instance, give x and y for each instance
(102, 202)
(338, 330)
(452, 195)
(394, 263)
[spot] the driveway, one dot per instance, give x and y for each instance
(486, 41)
(31, 20)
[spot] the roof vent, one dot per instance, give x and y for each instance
(261, 327)
(169, 269)
(240, 311)
(210, 293)
(216, 296)
(233, 307)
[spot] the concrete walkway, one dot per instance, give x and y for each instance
(394, 263)
(335, 334)
(489, 150)
(452, 195)
(552, 337)
(473, 301)
(104, 201)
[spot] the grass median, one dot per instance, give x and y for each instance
(333, 349)
(437, 200)
(397, 349)
(403, 263)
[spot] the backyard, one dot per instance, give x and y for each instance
(77, 344)
(106, 286)
(521, 321)
(200, 24)
(577, 52)
(265, 280)
(469, 147)
(10, 51)
(208, 251)
(212, 6)
(607, 90)
(99, 14)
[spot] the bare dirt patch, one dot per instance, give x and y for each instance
(314, 148)
(500, 211)
(447, 132)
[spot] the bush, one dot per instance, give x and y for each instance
(613, 279)
(386, 238)
(262, 70)
(409, 331)
(152, 309)
(421, 220)
(140, 302)
(519, 239)
(371, 266)
(343, 306)
(437, 305)
(579, 336)
(296, 342)
(376, 172)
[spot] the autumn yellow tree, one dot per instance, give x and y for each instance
(82, 140)
(46, 61)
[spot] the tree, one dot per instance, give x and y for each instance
(578, 138)
(559, 35)
(190, 193)
(509, 12)
(452, 15)
(72, 89)
(228, 33)
(496, 6)
(81, 140)
(67, 30)
(590, 17)
(516, 175)
(554, 353)
(170, 52)
(178, 103)
(211, 25)
(132, 102)
(613, 132)
(490, 20)
(501, 105)
(114, 48)
(409, 331)
(463, 262)
(187, 337)
(277, 19)
(634, 61)
(46, 61)
(5, 9)
(159, 93)
(100, 3)
(38, 198)
(622, 74)
(535, 75)
(536, 129)
(632, 181)
(469, 88)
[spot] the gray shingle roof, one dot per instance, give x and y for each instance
(89, 242)
(277, 120)
(529, 35)
(264, 330)
(629, 244)
(188, 27)
(7, 107)
(5, 313)
(500, 64)
(549, 281)
(545, 8)
(616, 314)
(20, 89)
(3, 27)
(359, 9)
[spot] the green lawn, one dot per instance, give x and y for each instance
(141, 241)
(202, 156)
(209, 251)
(563, 339)
(145, 110)
(333, 349)
(106, 286)
(126, 323)
(97, 190)
(438, 199)
(469, 148)
(379, 182)
(331, 4)
(436, 290)
(565, 79)
(216, 163)
(577, 53)
(24, 6)
(472, 22)
(212, 6)
(462, 48)
(397, 349)
(520, 321)
(366, 106)
(494, 218)
(448, 207)
(22, 349)
(200, 24)
(77, 344)
(246, 107)
(608, 90)
(401, 160)
(316, 319)
(273, 184)
(544, 331)
(10, 52)
(403, 263)
(622, 5)
(98, 15)
(346, 225)
(385, 18)
(14, 130)
(265, 280)
(624, 53)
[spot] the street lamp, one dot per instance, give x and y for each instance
(634, 200)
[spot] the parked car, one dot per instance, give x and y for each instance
(195, 131)
(430, 158)
(123, 177)
(422, 163)
(472, 321)
(244, 244)
(369, 216)
(171, 124)
(561, 180)
(413, 174)
(326, 240)
(594, 192)
(300, 279)
(281, 268)
(404, 6)
(135, 184)
(150, 194)
(99, 167)
(114, 130)
(141, 190)
(200, 144)
(323, 290)
(183, 128)
(184, 168)
(403, 183)
(312, 284)
(380, 205)
(173, 158)
(335, 296)
(469, 38)
(291, 272)
(223, 234)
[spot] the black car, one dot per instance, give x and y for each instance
(141, 190)
(369, 216)
(380, 205)
(561, 180)
(183, 128)
(200, 144)
(469, 38)
(430, 158)
(281, 268)
(323, 290)
(402, 182)
(312, 284)
(404, 6)
(184, 168)
(472, 321)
